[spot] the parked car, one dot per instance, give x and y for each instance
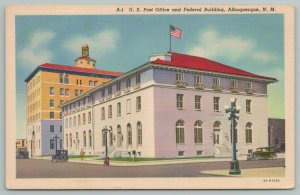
(60, 156)
(262, 153)
(23, 153)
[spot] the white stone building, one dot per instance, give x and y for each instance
(171, 106)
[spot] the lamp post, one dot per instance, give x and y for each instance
(233, 117)
(105, 131)
(55, 138)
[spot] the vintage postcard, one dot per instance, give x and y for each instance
(150, 97)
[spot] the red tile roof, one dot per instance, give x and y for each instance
(79, 69)
(198, 63)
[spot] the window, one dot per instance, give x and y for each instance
(76, 92)
(139, 133)
(67, 145)
(61, 78)
(84, 139)
(102, 113)
(179, 101)
(129, 134)
(71, 140)
(103, 93)
(128, 82)
(248, 85)
(89, 117)
(216, 132)
(138, 103)
(51, 115)
(110, 111)
(61, 102)
(77, 82)
(180, 153)
(70, 122)
(249, 133)
(83, 119)
(51, 91)
(67, 92)
(179, 132)
(118, 86)
(74, 121)
(66, 123)
(51, 128)
(216, 104)
(51, 144)
(198, 132)
(128, 106)
(81, 92)
(79, 120)
(104, 139)
(199, 152)
(248, 106)
(198, 79)
(67, 79)
(95, 83)
(234, 84)
(60, 129)
(90, 138)
(111, 137)
(90, 83)
(138, 79)
(179, 76)
(216, 81)
(109, 90)
(60, 144)
(51, 103)
(197, 102)
(119, 109)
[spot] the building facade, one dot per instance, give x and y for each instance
(171, 106)
(277, 133)
(50, 85)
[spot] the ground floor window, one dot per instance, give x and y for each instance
(180, 132)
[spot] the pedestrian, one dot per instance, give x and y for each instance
(82, 154)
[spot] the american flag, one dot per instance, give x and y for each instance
(176, 32)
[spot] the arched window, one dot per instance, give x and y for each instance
(70, 122)
(90, 138)
(83, 119)
(66, 123)
(180, 132)
(198, 138)
(119, 136)
(89, 117)
(139, 133)
(249, 133)
(84, 139)
(67, 145)
(70, 139)
(111, 136)
(79, 120)
(216, 133)
(129, 134)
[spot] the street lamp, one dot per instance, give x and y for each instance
(105, 131)
(233, 112)
(55, 138)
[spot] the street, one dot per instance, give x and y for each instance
(33, 168)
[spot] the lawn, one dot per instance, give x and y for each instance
(141, 159)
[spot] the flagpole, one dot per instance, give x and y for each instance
(170, 39)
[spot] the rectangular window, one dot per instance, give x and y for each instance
(79, 120)
(216, 81)
(52, 115)
(74, 121)
(61, 91)
(81, 92)
(76, 92)
(248, 136)
(119, 109)
(110, 111)
(118, 86)
(61, 78)
(128, 106)
(216, 104)
(102, 113)
(61, 102)
(180, 153)
(199, 152)
(60, 128)
(95, 83)
(179, 101)
(83, 119)
(103, 93)
(51, 144)
(51, 103)
(128, 82)
(138, 79)
(60, 144)
(109, 90)
(67, 92)
(52, 128)
(197, 102)
(89, 117)
(248, 85)
(138, 103)
(198, 79)
(179, 76)
(248, 106)
(51, 91)
(234, 84)
(90, 83)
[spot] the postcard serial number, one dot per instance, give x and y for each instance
(271, 180)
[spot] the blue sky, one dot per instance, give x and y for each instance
(120, 43)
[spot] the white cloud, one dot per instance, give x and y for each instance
(36, 51)
(100, 43)
(211, 44)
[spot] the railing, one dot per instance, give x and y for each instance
(249, 91)
(137, 86)
(181, 84)
(217, 87)
(118, 93)
(108, 97)
(101, 99)
(234, 90)
(199, 85)
(127, 90)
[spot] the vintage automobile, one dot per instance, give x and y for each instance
(262, 153)
(60, 156)
(23, 153)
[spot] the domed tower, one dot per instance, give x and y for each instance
(85, 61)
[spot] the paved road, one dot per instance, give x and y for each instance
(33, 168)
